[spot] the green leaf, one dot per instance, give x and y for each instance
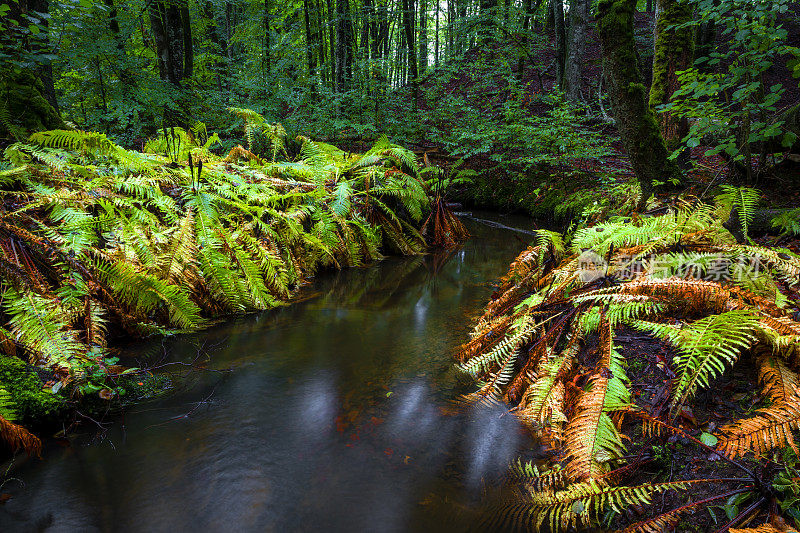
(708, 439)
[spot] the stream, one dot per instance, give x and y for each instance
(331, 414)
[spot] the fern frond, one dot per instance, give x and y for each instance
(581, 503)
(744, 200)
(780, 383)
(590, 436)
(771, 428)
(763, 528)
(19, 438)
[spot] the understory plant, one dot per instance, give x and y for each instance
(97, 241)
(547, 349)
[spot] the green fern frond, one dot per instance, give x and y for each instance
(7, 409)
(744, 201)
(707, 346)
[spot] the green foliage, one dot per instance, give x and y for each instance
(30, 403)
(743, 200)
(104, 235)
(715, 98)
(788, 222)
(7, 406)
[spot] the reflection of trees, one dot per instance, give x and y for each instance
(392, 282)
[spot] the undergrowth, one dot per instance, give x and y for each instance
(98, 242)
(546, 348)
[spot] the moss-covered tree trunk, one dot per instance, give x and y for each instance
(26, 95)
(637, 126)
(674, 51)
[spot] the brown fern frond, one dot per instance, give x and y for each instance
(543, 404)
(654, 427)
(694, 296)
(523, 379)
(492, 333)
(583, 431)
(239, 152)
(770, 429)
(763, 528)
(782, 325)
(19, 438)
(781, 383)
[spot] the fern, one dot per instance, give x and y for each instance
(580, 504)
(788, 222)
(706, 347)
(742, 201)
(154, 246)
(7, 410)
(591, 437)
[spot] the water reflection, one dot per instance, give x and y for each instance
(335, 417)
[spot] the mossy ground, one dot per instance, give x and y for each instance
(34, 405)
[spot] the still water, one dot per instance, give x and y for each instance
(332, 414)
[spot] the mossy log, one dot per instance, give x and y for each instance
(759, 226)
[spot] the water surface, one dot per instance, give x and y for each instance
(332, 414)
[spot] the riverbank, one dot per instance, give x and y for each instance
(655, 357)
(346, 392)
(102, 243)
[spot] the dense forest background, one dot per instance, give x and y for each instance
(470, 76)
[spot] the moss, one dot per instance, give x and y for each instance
(673, 51)
(34, 406)
(23, 107)
(637, 126)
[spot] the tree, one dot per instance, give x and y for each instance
(637, 126)
(423, 36)
(344, 46)
(27, 94)
(408, 26)
(573, 75)
(674, 51)
(561, 40)
(172, 31)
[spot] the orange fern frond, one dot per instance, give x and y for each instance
(781, 383)
(19, 438)
(763, 528)
(584, 435)
(771, 428)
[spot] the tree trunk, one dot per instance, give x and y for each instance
(637, 126)
(27, 94)
(172, 32)
(674, 51)
(312, 44)
(578, 17)
(488, 14)
(344, 46)
(561, 40)
(408, 24)
(423, 36)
